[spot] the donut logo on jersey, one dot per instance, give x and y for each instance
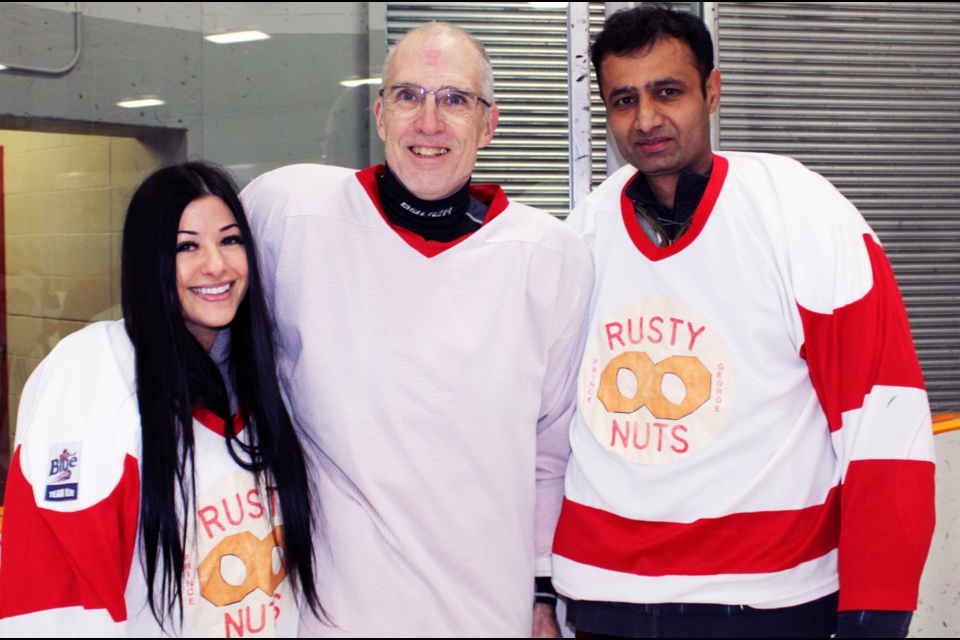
(657, 382)
(235, 582)
(63, 477)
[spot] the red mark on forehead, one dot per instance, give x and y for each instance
(433, 56)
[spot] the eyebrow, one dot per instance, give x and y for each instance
(664, 82)
(194, 233)
(446, 86)
(622, 90)
(655, 84)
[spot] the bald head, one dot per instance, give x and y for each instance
(444, 35)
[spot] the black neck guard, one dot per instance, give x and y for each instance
(442, 220)
(690, 189)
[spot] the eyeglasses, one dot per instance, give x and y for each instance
(407, 98)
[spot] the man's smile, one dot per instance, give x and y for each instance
(429, 152)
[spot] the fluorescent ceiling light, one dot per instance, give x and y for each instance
(237, 36)
(360, 83)
(2, 67)
(549, 5)
(136, 104)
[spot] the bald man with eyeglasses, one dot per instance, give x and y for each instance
(429, 334)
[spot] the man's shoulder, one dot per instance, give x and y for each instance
(769, 184)
(529, 224)
(609, 190)
(300, 190)
(297, 178)
(755, 172)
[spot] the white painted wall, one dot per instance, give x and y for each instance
(938, 615)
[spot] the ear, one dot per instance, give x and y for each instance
(378, 112)
(713, 90)
(489, 126)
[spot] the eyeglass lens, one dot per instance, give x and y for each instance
(450, 101)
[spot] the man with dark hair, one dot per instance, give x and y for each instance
(752, 450)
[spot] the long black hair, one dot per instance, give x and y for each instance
(175, 374)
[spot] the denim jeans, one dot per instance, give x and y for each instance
(816, 619)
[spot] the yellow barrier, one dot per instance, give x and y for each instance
(946, 422)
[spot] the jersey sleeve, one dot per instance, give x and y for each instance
(259, 203)
(72, 501)
(866, 374)
(558, 400)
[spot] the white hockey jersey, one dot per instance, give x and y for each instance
(752, 425)
(70, 561)
(436, 382)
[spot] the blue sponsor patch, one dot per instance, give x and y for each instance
(63, 476)
(61, 492)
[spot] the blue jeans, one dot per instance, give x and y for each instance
(816, 619)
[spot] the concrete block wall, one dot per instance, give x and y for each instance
(65, 201)
(251, 106)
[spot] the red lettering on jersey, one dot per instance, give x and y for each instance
(694, 335)
(624, 436)
(646, 442)
(630, 331)
(611, 335)
(661, 426)
(226, 510)
(228, 622)
(272, 496)
(263, 619)
(673, 336)
(214, 520)
(653, 328)
(254, 501)
(673, 432)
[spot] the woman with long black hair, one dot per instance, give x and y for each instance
(158, 485)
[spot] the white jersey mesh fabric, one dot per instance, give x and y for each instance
(436, 394)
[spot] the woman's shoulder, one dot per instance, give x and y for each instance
(81, 398)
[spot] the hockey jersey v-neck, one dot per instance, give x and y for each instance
(490, 194)
(215, 423)
(700, 217)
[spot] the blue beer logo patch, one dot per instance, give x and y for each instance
(63, 476)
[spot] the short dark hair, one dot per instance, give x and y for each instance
(632, 30)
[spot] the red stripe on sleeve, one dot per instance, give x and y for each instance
(742, 543)
(51, 560)
(888, 520)
(862, 345)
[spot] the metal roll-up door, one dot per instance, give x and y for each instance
(527, 44)
(867, 94)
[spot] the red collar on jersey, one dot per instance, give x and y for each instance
(700, 216)
(487, 193)
(215, 423)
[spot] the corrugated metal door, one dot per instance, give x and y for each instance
(527, 43)
(868, 94)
